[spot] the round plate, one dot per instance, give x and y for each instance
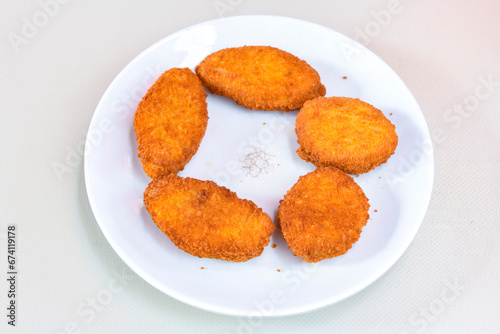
(253, 154)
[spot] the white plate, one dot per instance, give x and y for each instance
(253, 154)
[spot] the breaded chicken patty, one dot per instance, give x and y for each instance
(260, 77)
(322, 215)
(170, 122)
(346, 133)
(206, 220)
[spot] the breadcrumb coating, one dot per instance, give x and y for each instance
(322, 215)
(207, 220)
(170, 122)
(346, 133)
(260, 77)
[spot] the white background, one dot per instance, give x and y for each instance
(52, 78)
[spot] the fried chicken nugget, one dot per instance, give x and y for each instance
(346, 133)
(170, 122)
(206, 220)
(260, 77)
(322, 215)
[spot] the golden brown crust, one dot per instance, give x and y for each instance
(260, 77)
(207, 220)
(322, 215)
(170, 122)
(345, 133)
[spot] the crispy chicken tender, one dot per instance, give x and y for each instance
(346, 133)
(260, 77)
(206, 220)
(322, 215)
(170, 122)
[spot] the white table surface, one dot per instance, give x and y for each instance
(53, 75)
